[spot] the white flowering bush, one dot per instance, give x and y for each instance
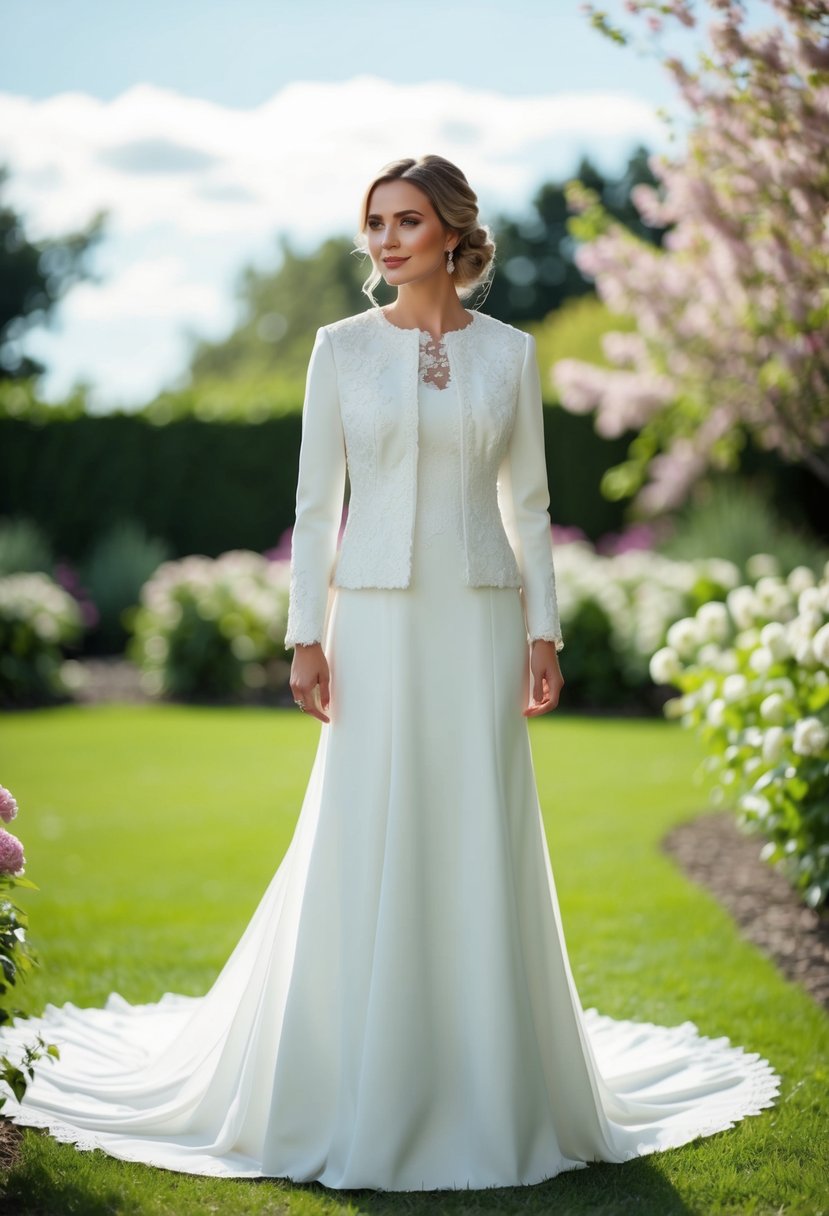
(616, 611)
(752, 674)
(38, 619)
(212, 626)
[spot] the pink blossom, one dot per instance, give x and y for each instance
(12, 860)
(8, 804)
(731, 339)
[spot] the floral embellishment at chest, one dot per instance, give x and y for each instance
(433, 364)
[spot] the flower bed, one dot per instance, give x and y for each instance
(752, 673)
(212, 626)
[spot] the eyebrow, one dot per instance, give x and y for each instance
(408, 211)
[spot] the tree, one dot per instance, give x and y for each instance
(732, 315)
(280, 311)
(536, 270)
(34, 276)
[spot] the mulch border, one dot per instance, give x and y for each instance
(715, 852)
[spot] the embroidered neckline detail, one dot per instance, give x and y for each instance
(434, 368)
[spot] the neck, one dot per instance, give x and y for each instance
(428, 306)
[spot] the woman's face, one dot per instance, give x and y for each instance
(406, 239)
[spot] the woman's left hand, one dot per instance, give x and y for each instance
(547, 680)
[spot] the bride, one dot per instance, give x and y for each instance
(400, 1012)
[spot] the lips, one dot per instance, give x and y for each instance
(395, 261)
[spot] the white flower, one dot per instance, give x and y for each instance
(773, 744)
(734, 687)
(773, 708)
(709, 654)
(783, 685)
(774, 596)
(800, 578)
(820, 645)
(664, 666)
(760, 564)
(801, 644)
(756, 804)
(810, 737)
(761, 660)
(742, 605)
(809, 600)
(773, 636)
(683, 637)
(727, 661)
(715, 714)
(713, 621)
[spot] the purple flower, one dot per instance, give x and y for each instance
(8, 804)
(12, 860)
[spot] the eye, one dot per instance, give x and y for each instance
(407, 220)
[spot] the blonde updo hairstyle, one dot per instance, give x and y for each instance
(456, 205)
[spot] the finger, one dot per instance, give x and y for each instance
(539, 707)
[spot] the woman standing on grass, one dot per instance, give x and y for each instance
(400, 1013)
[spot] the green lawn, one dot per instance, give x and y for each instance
(153, 831)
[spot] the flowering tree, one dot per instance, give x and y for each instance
(733, 312)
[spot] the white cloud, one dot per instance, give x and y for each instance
(193, 188)
(157, 287)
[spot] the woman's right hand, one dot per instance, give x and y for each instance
(309, 672)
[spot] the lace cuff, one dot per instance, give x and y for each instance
(547, 637)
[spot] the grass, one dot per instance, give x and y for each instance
(152, 832)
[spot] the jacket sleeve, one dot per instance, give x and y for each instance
(319, 498)
(524, 499)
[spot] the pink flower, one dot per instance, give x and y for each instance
(12, 860)
(8, 804)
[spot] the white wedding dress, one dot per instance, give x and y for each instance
(399, 1013)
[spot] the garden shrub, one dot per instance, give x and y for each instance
(753, 679)
(212, 627)
(38, 619)
(113, 572)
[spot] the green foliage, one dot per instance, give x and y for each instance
(118, 564)
(212, 628)
(201, 487)
(536, 272)
(16, 960)
(37, 620)
(734, 518)
(214, 398)
(575, 331)
(753, 677)
(280, 311)
(34, 276)
(21, 399)
(24, 547)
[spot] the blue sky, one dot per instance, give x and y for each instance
(206, 129)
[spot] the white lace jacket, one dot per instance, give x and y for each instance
(361, 415)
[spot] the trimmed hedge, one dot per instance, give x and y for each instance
(206, 487)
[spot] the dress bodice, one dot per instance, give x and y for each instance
(439, 504)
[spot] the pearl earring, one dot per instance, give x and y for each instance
(450, 263)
